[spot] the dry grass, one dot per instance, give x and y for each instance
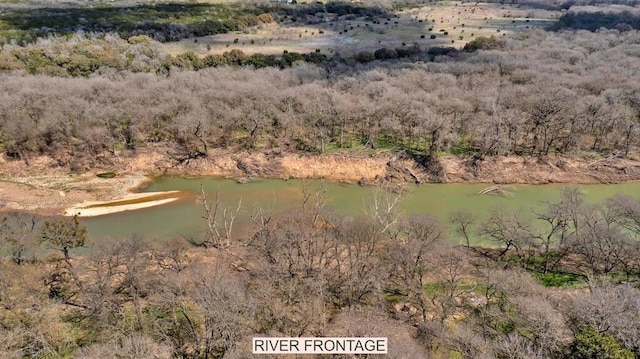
(267, 39)
(466, 20)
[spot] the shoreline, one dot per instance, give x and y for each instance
(46, 188)
(55, 193)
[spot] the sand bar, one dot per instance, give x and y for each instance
(131, 202)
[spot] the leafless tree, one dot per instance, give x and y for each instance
(357, 273)
(313, 203)
(293, 265)
(382, 208)
(610, 309)
(463, 220)
(411, 260)
(601, 242)
(18, 236)
(172, 256)
(468, 343)
(560, 226)
(228, 312)
(511, 230)
(450, 267)
(135, 346)
(518, 347)
(549, 121)
(64, 282)
(219, 221)
(628, 209)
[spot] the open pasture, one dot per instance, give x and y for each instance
(453, 23)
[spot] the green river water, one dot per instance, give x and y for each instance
(184, 217)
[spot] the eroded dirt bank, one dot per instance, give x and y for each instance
(46, 187)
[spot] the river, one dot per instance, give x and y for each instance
(184, 217)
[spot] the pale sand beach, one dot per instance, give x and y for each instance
(131, 202)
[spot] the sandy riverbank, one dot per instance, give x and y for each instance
(47, 188)
(52, 194)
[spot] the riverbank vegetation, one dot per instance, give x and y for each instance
(536, 95)
(87, 97)
(560, 283)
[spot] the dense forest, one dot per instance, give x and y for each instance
(538, 94)
(561, 282)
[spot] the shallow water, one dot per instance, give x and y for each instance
(184, 217)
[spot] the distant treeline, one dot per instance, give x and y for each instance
(166, 21)
(84, 55)
(235, 57)
(558, 5)
(592, 21)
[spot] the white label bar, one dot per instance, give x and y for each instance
(340, 345)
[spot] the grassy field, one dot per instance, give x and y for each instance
(265, 39)
(216, 26)
(453, 24)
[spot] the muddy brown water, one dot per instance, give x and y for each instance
(184, 217)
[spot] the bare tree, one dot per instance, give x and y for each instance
(517, 347)
(468, 343)
(228, 312)
(286, 304)
(559, 227)
(549, 121)
(294, 261)
(219, 221)
(191, 143)
(138, 346)
(510, 229)
(463, 220)
(410, 260)
(449, 269)
(114, 273)
(314, 203)
(610, 309)
(628, 209)
(172, 256)
(62, 236)
(382, 208)
(357, 274)
(601, 242)
(18, 236)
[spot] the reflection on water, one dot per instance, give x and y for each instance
(184, 217)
